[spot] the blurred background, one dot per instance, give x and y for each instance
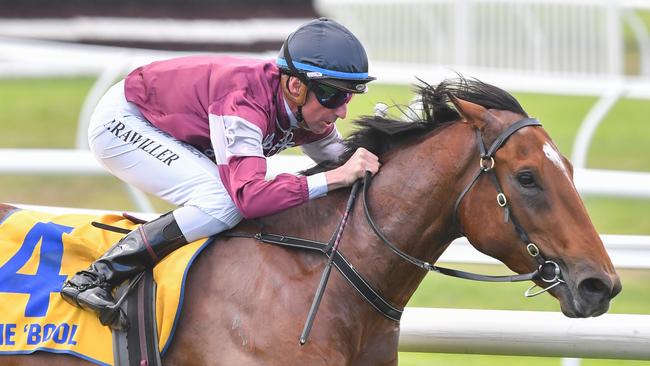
(581, 66)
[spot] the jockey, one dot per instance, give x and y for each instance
(196, 131)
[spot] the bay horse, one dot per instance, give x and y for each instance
(246, 302)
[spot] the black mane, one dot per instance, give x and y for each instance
(380, 134)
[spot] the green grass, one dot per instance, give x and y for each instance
(43, 113)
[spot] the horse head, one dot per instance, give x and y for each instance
(471, 162)
(531, 210)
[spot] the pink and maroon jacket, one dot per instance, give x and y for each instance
(233, 111)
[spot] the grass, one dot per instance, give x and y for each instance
(44, 112)
(41, 112)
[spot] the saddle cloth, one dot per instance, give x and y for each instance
(39, 251)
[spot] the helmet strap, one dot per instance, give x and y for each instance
(301, 121)
(301, 99)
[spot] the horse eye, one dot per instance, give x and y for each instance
(526, 179)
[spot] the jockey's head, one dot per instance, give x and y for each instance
(328, 60)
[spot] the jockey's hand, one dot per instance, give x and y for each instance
(355, 168)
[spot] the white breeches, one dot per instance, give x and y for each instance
(137, 152)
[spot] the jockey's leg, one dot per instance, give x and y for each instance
(138, 153)
(139, 250)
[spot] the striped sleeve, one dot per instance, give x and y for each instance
(237, 143)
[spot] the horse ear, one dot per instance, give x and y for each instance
(471, 113)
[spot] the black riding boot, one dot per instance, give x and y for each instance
(141, 249)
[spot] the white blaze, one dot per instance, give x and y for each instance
(554, 156)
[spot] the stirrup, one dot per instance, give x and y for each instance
(115, 318)
(113, 315)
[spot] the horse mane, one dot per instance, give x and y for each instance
(431, 109)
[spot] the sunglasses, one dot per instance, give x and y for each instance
(329, 97)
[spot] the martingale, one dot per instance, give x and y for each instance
(40, 251)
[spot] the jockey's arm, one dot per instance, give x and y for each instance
(242, 168)
(331, 148)
(256, 197)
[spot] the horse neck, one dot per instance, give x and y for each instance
(412, 202)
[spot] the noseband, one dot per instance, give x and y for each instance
(547, 271)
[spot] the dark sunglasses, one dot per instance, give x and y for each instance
(329, 97)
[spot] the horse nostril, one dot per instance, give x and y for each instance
(594, 289)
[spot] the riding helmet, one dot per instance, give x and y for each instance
(325, 51)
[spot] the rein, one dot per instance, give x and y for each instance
(547, 271)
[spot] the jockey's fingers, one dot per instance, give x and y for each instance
(365, 156)
(372, 167)
(365, 153)
(368, 163)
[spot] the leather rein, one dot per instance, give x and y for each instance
(547, 271)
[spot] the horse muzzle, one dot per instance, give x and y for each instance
(589, 295)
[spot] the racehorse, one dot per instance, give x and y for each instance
(246, 302)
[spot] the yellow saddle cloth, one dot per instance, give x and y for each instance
(39, 251)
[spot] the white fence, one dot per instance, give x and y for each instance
(589, 182)
(569, 37)
(525, 333)
(557, 46)
(560, 47)
(243, 31)
(566, 37)
(625, 251)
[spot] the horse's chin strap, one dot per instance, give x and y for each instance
(547, 271)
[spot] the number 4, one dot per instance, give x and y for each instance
(47, 278)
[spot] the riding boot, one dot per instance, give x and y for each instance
(139, 250)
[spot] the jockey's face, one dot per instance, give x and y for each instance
(317, 117)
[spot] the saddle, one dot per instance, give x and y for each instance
(40, 250)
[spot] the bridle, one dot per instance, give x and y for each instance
(547, 271)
